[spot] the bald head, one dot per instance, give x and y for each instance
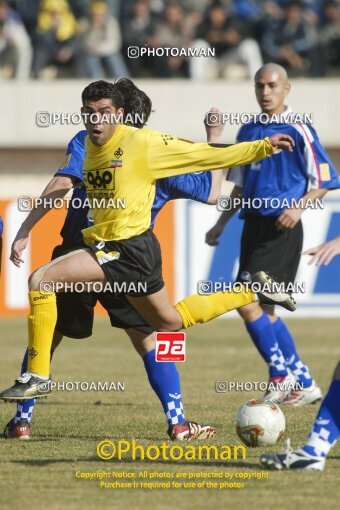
(271, 88)
(272, 69)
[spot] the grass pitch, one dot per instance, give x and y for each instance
(67, 426)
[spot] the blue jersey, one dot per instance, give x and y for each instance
(195, 186)
(284, 177)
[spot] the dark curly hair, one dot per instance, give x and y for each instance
(124, 94)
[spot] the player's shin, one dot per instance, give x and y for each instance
(288, 349)
(326, 428)
(262, 334)
(164, 380)
(24, 407)
(41, 323)
(197, 309)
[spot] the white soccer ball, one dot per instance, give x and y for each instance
(260, 423)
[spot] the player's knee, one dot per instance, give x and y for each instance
(250, 313)
(167, 325)
(336, 375)
(36, 278)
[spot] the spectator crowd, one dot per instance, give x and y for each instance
(91, 38)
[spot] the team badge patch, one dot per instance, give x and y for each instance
(325, 172)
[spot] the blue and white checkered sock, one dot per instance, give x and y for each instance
(326, 428)
(24, 407)
(263, 336)
(164, 380)
(288, 349)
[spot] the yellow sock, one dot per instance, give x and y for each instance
(41, 323)
(197, 309)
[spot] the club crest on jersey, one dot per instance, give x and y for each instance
(118, 153)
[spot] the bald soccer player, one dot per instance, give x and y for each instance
(272, 234)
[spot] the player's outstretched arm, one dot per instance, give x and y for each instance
(168, 156)
(324, 253)
(56, 188)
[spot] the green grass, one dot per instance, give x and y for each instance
(68, 425)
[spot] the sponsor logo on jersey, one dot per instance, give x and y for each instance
(100, 179)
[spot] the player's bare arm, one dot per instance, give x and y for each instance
(58, 187)
(290, 216)
(214, 134)
(211, 237)
(324, 253)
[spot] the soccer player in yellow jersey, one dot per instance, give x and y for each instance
(121, 167)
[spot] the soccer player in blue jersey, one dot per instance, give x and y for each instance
(75, 311)
(326, 428)
(272, 234)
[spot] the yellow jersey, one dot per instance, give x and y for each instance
(123, 172)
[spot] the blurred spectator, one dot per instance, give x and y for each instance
(28, 12)
(80, 8)
(101, 43)
(173, 31)
(248, 9)
(55, 37)
(198, 6)
(231, 40)
(302, 35)
(293, 42)
(138, 30)
(15, 46)
(330, 34)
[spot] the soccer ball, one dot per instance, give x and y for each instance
(260, 423)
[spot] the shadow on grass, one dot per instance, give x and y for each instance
(79, 404)
(108, 464)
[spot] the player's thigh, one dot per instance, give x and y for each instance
(77, 266)
(142, 342)
(157, 310)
